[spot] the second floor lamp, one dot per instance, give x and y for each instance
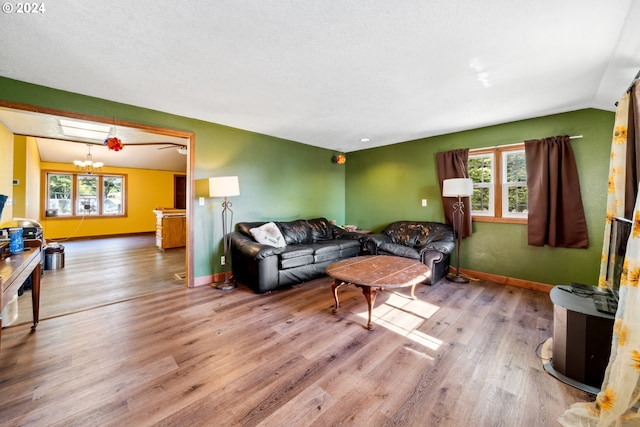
(225, 186)
(457, 187)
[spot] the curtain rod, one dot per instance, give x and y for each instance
(522, 142)
(635, 79)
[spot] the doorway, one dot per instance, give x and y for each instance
(183, 181)
(180, 191)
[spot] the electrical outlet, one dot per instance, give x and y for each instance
(424, 202)
(222, 260)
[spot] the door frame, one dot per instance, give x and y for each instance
(147, 128)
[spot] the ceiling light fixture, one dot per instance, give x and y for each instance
(112, 141)
(365, 139)
(182, 150)
(88, 165)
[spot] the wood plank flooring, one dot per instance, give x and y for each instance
(459, 355)
(104, 271)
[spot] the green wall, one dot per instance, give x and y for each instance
(279, 179)
(284, 180)
(387, 184)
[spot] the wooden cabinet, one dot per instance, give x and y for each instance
(171, 228)
(581, 340)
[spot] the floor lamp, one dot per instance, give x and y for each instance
(225, 186)
(457, 187)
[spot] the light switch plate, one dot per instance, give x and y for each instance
(424, 202)
(201, 201)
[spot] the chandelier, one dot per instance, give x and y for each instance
(88, 165)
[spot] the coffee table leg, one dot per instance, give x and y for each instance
(336, 284)
(413, 291)
(370, 293)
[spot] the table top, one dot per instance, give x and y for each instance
(561, 296)
(379, 271)
(15, 269)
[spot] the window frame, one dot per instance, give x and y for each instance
(489, 185)
(505, 186)
(75, 196)
(498, 188)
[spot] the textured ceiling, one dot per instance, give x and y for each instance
(328, 73)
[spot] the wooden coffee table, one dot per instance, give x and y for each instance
(372, 273)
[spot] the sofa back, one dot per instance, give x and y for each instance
(418, 233)
(297, 231)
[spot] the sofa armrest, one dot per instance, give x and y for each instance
(372, 241)
(341, 233)
(250, 248)
(443, 246)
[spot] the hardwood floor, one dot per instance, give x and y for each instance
(459, 355)
(104, 271)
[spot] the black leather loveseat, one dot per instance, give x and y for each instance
(309, 246)
(428, 242)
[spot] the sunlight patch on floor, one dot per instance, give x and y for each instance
(402, 315)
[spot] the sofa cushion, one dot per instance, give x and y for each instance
(295, 232)
(349, 252)
(325, 250)
(296, 261)
(324, 247)
(295, 256)
(268, 234)
(320, 229)
(399, 250)
(296, 251)
(349, 244)
(408, 234)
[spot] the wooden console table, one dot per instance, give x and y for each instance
(15, 270)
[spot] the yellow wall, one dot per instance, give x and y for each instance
(20, 174)
(26, 169)
(146, 190)
(32, 185)
(6, 171)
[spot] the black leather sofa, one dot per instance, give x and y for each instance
(311, 245)
(428, 242)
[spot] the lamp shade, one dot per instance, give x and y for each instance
(455, 187)
(224, 186)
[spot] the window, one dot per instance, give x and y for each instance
(482, 173)
(72, 195)
(514, 184)
(87, 195)
(60, 194)
(112, 197)
(499, 184)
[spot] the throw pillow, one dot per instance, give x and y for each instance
(268, 234)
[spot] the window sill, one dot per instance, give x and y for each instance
(63, 217)
(499, 220)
